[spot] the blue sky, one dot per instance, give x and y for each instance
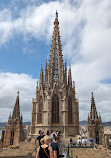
(21, 57)
(26, 29)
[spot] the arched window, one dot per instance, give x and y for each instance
(12, 137)
(55, 109)
(40, 108)
(97, 135)
(70, 109)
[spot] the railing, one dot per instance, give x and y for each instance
(30, 154)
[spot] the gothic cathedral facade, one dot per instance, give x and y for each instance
(55, 106)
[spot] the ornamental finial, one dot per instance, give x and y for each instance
(56, 14)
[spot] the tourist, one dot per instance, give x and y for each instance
(83, 141)
(79, 141)
(59, 133)
(48, 133)
(91, 141)
(70, 141)
(74, 142)
(86, 141)
(52, 136)
(45, 151)
(39, 138)
(55, 147)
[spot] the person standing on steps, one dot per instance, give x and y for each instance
(55, 147)
(39, 138)
(45, 151)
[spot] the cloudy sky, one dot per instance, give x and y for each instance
(26, 28)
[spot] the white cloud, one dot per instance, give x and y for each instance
(10, 84)
(85, 28)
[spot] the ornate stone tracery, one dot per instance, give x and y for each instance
(57, 103)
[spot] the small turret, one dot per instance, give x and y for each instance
(9, 120)
(41, 76)
(37, 85)
(46, 73)
(88, 119)
(65, 74)
(21, 118)
(69, 78)
(74, 90)
(100, 119)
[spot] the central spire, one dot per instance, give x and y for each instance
(56, 67)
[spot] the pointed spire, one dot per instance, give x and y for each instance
(73, 85)
(46, 73)
(88, 119)
(93, 112)
(21, 118)
(74, 90)
(100, 118)
(56, 67)
(41, 76)
(65, 73)
(9, 120)
(18, 94)
(37, 85)
(16, 111)
(69, 77)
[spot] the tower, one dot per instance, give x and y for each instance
(14, 129)
(95, 128)
(55, 106)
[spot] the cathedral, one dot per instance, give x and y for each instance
(95, 128)
(14, 129)
(55, 106)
